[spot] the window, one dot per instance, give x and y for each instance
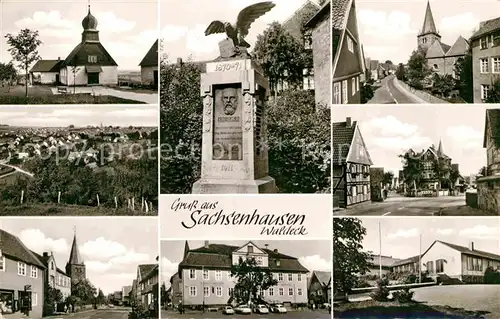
(34, 272)
(281, 291)
(280, 277)
(206, 275)
(439, 265)
(357, 84)
(344, 92)
(92, 58)
(299, 291)
(230, 291)
(430, 266)
(485, 89)
(435, 67)
(365, 190)
(218, 275)
(206, 291)
(259, 261)
(353, 84)
(21, 269)
(354, 191)
(2, 263)
(290, 277)
(484, 43)
(336, 93)
(218, 291)
(192, 273)
(249, 249)
(474, 264)
(496, 64)
(192, 291)
(271, 292)
(261, 292)
(229, 275)
(350, 44)
(34, 299)
(424, 40)
(51, 265)
(299, 277)
(290, 291)
(484, 65)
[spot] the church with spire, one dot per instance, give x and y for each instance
(89, 63)
(441, 57)
(75, 268)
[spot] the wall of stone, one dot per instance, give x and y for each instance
(421, 94)
(488, 194)
(322, 59)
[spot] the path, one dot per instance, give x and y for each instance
(392, 93)
(20, 170)
(149, 98)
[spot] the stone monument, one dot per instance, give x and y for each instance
(234, 89)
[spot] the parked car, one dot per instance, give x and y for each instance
(228, 310)
(243, 309)
(262, 309)
(278, 308)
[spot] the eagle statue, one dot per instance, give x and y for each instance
(238, 31)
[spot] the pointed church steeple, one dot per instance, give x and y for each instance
(74, 255)
(186, 249)
(75, 268)
(429, 26)
(440, 149)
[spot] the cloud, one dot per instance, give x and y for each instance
(41, 19)
(466, 136)
(109, 22)
(198, 43)
(393, 25)
(444, 231)
(168, 269)
(401, 143)
(172, 33)
(480, 232)
(36, 240)
(127, 258)
(391, 126)
(102, 248)
(404, 233)
(459, 24)
(315, 262)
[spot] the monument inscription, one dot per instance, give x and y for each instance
(227, 129)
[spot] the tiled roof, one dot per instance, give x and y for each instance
(386, 261)
(339, 13)
(151, 58)
(47, 66)
(487, 27)
(406, 261)
(342, 136)
(146, 269)
(79, 55)
(320, 15)
(445, 47)
(323, 277)
(466, 250)
(220, 256)
(45, 262)
(295, 23)
(460, 47)
(14, 248)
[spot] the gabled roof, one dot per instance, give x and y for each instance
(493, 123)
(323, 277)
(151, 57)
(406, 261)
(466, 250)
(14, 248)
(47, 66)
(436, 50)
(429, 26)
(74, 255)
(322, 12)
(79, 55)
(146, 269)
(45, 262)
(487, 27)
(147, 275)
(220, 256)
(296, 21)
(340, 13)
(460, 47)
(342, 135)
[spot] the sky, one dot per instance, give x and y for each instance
(111, 255)
(127, 28)
(312, 254)
(50, 116)
(390, 131)
(183, 34)
(400, 236)
(388, 28)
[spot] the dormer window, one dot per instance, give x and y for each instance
(484, 43)
(278, 263)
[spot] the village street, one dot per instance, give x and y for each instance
(397, 205)
(306, 314)
(392, 93)
(111, 313)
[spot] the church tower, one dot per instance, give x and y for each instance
(89, 24)
(428, 35)
(75, 268)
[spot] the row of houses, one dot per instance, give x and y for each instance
(26, 276)
(89, 63)
(143, 290)
(204, 277)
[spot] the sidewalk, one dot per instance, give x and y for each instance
(408, 93)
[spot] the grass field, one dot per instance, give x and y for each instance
(66, 99)
(67, 210)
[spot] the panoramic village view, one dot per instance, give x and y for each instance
(78, 269)
(267, 131)
(422, 51)
(79, 161)
(90, 53)
(206, 279)
(416, 268)
(395, 162)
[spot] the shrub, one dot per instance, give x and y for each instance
(366, 93)
(404, 295)
(381, 293)
(491, 276)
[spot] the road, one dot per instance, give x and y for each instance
(96, 314)
(20, 170)
(391, 93)
(407, 206)
(471, 297)
(320, 314)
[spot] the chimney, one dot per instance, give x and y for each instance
(348, 122)
(179, 61)
(206, 243)
(266, 245)
(275, 250)
(58, 58)
(471, 246)
(45, 254)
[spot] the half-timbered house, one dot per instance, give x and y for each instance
(351, 164)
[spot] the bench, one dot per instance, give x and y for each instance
(62, 89)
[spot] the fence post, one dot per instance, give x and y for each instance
(22, 196)
(142, 203)
(133, 203)
(116, 203)
(147, 208)
(98, 202)
(59, 197)
(151, 205)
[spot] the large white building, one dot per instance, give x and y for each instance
(205, 275)
(88, 64)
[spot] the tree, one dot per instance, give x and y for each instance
(84, 291)
(349, 260)
(463, 69)
(282, 57)
(400, 72)
(388, 177)
(7, 73)
(388, 62)
(418, 69)
(53, 297)
(441, 169)
(250, 279)
(412, 169)
(443, 84)
(494, 92)
(100, 297)
(164, 299)
(367, 93)
(24, 49)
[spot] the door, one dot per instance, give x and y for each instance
(93, 78)
(57, 79)
(155, 78)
